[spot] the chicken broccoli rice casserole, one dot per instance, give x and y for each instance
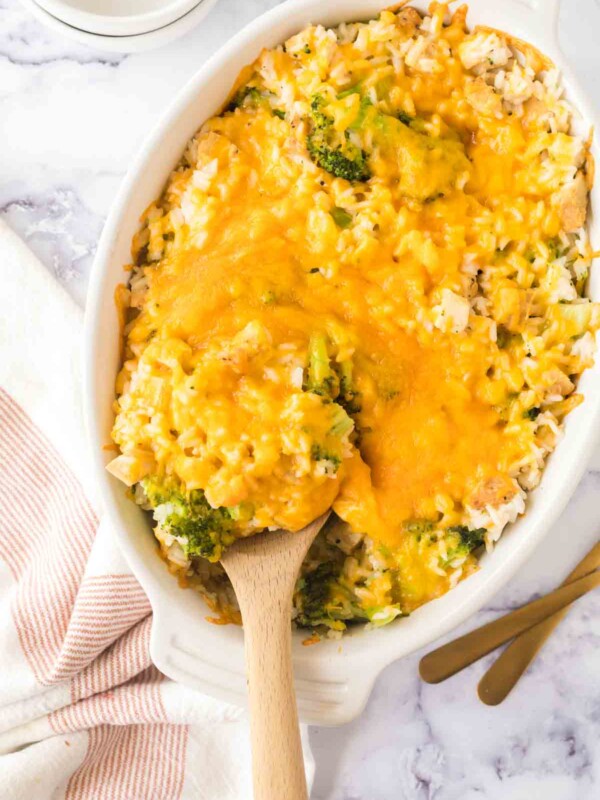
(362, 288)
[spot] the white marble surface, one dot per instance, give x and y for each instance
(70, 121)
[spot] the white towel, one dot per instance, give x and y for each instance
(83, 712)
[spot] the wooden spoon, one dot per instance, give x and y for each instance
(263, 570)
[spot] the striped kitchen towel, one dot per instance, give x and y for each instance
(83, 712)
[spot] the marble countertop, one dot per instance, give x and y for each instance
(71, 119)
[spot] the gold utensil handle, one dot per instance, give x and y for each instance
(504, 673)
(455, 656)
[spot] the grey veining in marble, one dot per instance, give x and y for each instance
(71, 118)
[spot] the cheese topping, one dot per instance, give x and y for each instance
(362, 288)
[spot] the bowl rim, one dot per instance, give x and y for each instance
(388, 644)
(129, 43)
(113, 24)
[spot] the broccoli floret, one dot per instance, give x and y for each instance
(243, 512)
(324, 599)
(470, 538)
(158, 491)
(319, 118)
(349, 397)
(319, 453)
(251, 97)
(201, 530)
(466, 540)
(532, 413)
(418, 526)
(315, 592)
(330, 380)
(424, 165)
(246, 95)
(320, 377)
(340, 158)
(351, 167)
(329, 452)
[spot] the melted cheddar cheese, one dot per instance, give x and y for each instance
(362, 288)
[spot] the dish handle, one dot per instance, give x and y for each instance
(330, 695)
(539, 16)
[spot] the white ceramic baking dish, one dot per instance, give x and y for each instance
(333, 679)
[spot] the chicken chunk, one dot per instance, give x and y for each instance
(484, 50)
(572, 203)
(557, 383)
(483, 98)
(535, 114)
(495, 491)
(408, 20)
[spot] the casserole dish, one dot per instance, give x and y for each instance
(333, 681)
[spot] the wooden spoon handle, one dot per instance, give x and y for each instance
(278, 764)
(263, 570)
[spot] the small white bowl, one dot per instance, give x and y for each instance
(118, 17)
(136, 43)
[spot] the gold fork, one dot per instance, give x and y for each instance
(460, 653)
(504, 673)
